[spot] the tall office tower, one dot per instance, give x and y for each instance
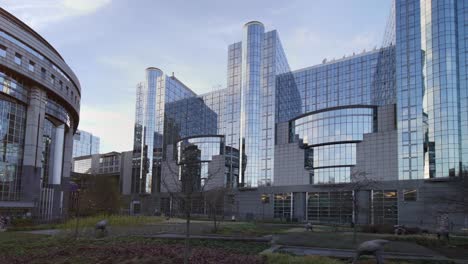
(39, 105)
(162, 102)
(431, 88)
(85, 143)
(250, 122)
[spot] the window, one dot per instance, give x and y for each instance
(61, 85)
(2, 51)
(283, 206)
(330, 207)
(52, 79)
(31, 66)
(265, 199)
(410, 195)
(384, 207)
(43, 73)
(18, 58)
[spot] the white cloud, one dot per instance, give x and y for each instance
(112, 123)
(39, 14)
(84, 6)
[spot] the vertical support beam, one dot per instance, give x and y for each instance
(58, 156)
(31, 171)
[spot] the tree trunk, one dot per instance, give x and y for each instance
(187, 239)
(356, 217)
(215, 230)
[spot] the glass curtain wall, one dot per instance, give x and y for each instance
(330, 207)
(12, 131)
(250, 123)
(384, 207)
(283, 206)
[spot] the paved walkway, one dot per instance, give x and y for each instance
(211, 237)
(49, 232)
(345, 253)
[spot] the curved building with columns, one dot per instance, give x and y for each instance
(39, 113)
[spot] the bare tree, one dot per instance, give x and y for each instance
(185, 184)
(215, 200)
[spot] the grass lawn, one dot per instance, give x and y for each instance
(288, 259)
(86, 222)
(114, 220)
(416, 244)
(27, 248)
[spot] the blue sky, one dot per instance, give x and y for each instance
(109, 43)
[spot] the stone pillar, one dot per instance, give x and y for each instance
(58, 155)
(300, 209)
(31, 173)
(67, 165)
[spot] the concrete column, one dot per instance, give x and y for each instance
(300, 209)
(67, 152)
(58, 155)
(32, 164)
(67, 162)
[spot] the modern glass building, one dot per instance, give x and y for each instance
(39, 113)
(393, 114)
(85, 143)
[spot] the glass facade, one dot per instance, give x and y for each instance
(12, 131)
(416, 83)
(348, 124)
(82, 165)
(207, 148)
(431, 87)
(48, 143)
(283, 206)
(330, 207)
(330, 138)
(85, 143)
(37, 123)
(384, 207)
(250, 122)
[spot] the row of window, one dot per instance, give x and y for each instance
(18, 59)
(337, 206)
